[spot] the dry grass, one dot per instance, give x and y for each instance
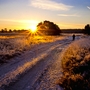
(14, 45)
(76, 66)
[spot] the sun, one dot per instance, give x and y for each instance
(31, 25)
(33, 28)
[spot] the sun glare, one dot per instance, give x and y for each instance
(33, 29)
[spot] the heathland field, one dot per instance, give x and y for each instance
(13, 44)
(37, 62)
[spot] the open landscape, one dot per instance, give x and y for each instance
(44, 45)
(32, 64)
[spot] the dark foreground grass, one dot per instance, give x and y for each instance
(76, 66)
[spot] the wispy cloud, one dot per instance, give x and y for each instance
(69, 15)
(88, 7)
(49, 5)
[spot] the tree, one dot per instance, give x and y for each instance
(48, 28)
(87, 29)
(2, 30)
(10, 30)
(5, 30)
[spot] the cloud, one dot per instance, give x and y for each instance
(49, 5)
(69, 15)
(88, 7)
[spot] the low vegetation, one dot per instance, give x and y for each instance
(14, 45)
(76, 66)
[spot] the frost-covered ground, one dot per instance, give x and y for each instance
(11, 46)
(37, 68)
(76, 65)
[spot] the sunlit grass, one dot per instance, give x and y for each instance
(12, 45)
(76, 66)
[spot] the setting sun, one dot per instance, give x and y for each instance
(33, 29)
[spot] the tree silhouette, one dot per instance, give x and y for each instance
(2, 30)
(48, 28)
(87, 29)
(10, 30)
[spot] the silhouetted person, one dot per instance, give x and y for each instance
(73, 37)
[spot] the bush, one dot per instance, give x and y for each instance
(87, 29)
(48, 28)
(76, 66)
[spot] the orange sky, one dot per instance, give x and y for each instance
(25, 14)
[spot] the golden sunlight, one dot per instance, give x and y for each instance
(33, 28)
(31, 25)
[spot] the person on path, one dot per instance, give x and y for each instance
(73, 37)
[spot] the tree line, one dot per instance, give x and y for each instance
(5, 30)
(49, 28)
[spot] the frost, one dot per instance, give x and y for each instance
(42, 48)
(76, 66)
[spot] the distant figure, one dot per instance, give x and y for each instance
(73, 37)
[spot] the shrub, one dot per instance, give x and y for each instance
(87, 29)
(76, 66)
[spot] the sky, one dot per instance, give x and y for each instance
(24, 14)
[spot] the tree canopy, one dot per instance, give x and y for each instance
(48, 28)
(87, 29)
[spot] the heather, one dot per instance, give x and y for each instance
(76, 66)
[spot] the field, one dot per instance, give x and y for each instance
(38, 62)
(20, 53)
(13, 44)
